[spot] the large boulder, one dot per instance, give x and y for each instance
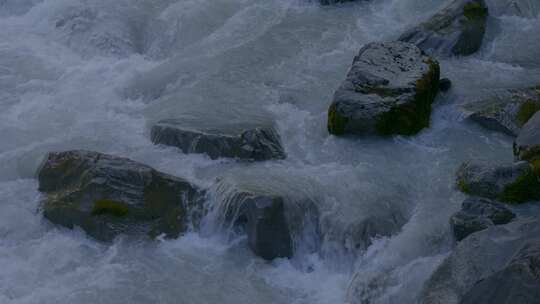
(279, 219)
(477, 214)
(527, 144)
(249, 141)
(388, 90)
(107, 195)
(497, 265)
(458, 29)
(505, 110)
(517, 283)
(513, 183)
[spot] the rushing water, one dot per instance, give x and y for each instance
(94, 74)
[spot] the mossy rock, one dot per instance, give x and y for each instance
(110, 207)
(512, 183)
(456, 30)
(411, 118)
(527, 110)
(525, 188)
(475, 10)
(336, 122)
(107, 196)
(388, 91)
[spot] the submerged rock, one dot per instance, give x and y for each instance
(445, 84)
(252, 142)
(527, 144)
(458, 29)
(107, 195)
(514, 183)
(477, 214)
(277, 218)
(505, 110)
(497, 265)
(389, 90)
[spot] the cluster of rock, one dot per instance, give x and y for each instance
(390, 89)
(497, 259)
(391, 86)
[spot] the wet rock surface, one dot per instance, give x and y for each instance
(276, 218)
(477, 214)
(497, 265)
(388, 90)
(505, 110)
(513, 183)
(251, 142)
(458, 29)
(107, 196)
(527, 144)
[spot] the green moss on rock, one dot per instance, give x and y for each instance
(110, 207)
(527, 110)
(475, 10)
(336, 122)
(525, 188)
(462, 185)
(410, 118)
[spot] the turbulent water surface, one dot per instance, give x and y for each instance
(94, 74)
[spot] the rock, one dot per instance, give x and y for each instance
(505, 110)
(277, 218)
(445, 85)
(458, 29)
(478, 263)
(107, 195)
(514, 183)
(517, 283)
(527, 144)
(252, 142)
(521, 8)
(389, 90)
(477, 214)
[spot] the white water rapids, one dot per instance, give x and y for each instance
(94, 74)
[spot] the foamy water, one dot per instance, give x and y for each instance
(94, 74)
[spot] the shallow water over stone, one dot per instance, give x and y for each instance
(96, 74)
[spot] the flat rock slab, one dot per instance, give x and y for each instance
(505, 110)
(107, 196)
(458, 29)
(512, 183)
(527, 144)
(477, 214)
(498, 265)
(388, 90)
(250, 142)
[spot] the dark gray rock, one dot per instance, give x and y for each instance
(276, 218)
(501, 260)
(458, 29)
(477, 214)
(389, 90)
(253, 142)
(445, 84)
(513, 183)
(107, 195)
(527, 144)
(517, 283)
(505, 110)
